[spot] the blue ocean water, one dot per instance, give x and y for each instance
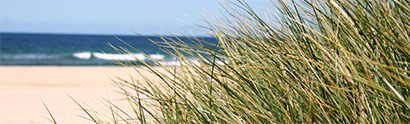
(64, 49)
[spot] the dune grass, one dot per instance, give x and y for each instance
(313, 61)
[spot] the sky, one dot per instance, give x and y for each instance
(107, 16)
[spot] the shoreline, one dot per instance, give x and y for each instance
(21, 75)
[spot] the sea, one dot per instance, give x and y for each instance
(79, 49)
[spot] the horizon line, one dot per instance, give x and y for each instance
(102, 34)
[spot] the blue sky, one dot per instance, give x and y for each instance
(106, 16)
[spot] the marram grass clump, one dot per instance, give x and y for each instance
(311, 61)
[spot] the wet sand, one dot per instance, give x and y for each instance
(22, 89)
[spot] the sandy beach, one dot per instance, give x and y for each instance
(22, 88)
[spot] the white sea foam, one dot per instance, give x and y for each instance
(157, 56)
(109, 56)
(178, 63)
(28, 56)
(187, 62)
(83, 55)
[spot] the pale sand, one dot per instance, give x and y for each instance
(23, 87)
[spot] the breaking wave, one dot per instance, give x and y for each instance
(82, 55)
(121, 57)
(110, 56)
